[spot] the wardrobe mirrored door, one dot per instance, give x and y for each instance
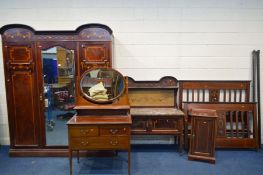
(58, 68)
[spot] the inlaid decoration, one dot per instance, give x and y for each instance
(85, 65)
(17, 34)
(57, 37)
(221, 124)
(214, 95)
(165, 82)
(95, 54)
(94, 34)
(20, 53)
(20, 66)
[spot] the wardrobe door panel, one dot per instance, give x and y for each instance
(23, 112)
(21, 93)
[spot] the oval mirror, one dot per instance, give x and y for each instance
(102, 85)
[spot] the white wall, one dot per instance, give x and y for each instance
(188, 39)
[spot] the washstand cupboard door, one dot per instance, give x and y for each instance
(21, 86)
(202, 137)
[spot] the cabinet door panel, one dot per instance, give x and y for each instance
(203, 133)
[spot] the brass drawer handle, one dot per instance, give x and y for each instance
(86, 131)
(84, 143)
(114, 143)
(114, 131)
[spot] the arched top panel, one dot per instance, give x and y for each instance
(87, 32)
(95, 25)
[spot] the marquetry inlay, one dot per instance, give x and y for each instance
(94, 34)
(95, 54)
(165, 82)
(21, 34)
(221, 124)
(20, 53)
(21, 66)
(214, 95)
(56, 37)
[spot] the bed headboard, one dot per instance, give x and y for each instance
(213, 91)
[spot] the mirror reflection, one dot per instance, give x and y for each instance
(59, 92)
(102, 85)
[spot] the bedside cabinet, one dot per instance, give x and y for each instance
(202, 138)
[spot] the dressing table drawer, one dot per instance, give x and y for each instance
(83, 131)
(99, 143)
(114, 130)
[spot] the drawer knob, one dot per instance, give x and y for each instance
(114, 143)
(114, 131)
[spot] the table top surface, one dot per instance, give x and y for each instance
(90, 120)
(156, 112)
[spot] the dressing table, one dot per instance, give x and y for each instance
(103, 120)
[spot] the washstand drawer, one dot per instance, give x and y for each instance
(98, 143)
(114, 130)
(163, 123)
(79, 131)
